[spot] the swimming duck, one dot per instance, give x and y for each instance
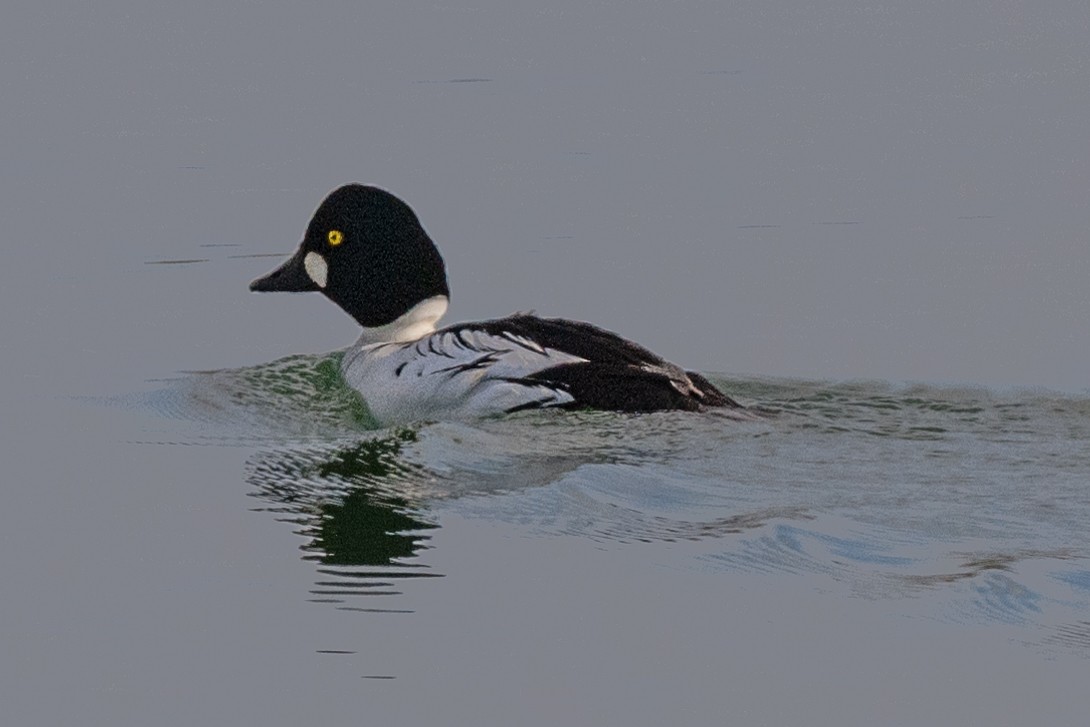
(365, 250)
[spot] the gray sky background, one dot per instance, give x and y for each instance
(833, 189)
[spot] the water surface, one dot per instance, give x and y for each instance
(861, 535)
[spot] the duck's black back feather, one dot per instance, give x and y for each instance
(575, 337)
(615, 387)
(618, 375)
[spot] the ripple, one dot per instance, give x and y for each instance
(959, 499)
(1073, 636)
(300, 396)
(1002, 598)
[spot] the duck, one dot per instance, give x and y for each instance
(366, 250)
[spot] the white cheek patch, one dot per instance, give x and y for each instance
(316, 267)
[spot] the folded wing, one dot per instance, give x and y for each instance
(587, 367)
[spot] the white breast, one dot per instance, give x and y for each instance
(451, 375)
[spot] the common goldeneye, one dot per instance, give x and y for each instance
(366, 251)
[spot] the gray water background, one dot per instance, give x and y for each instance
(834, 190)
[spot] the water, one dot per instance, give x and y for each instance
(837, 553)
(197, 528)
(968, 502)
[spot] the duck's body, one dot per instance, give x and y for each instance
(366, 251)
(515, 363)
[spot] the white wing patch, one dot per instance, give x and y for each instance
(462, 373)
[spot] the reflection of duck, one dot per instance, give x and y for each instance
(367, 252)
(365, 529)
(344, 500)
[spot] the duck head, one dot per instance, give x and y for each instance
(365, 250)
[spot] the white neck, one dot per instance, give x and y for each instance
(417, 322)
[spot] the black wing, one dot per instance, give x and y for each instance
(617, 375)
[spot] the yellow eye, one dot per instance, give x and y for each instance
(336, 237)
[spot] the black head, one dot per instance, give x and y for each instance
(366, 251)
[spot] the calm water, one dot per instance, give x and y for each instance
(961, 505)
(244, 545)
(197, 530)
(894, 542)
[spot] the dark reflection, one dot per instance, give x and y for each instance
(367, 527)
(349, 502)
(365, 530)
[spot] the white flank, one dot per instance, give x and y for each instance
(445, 375)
